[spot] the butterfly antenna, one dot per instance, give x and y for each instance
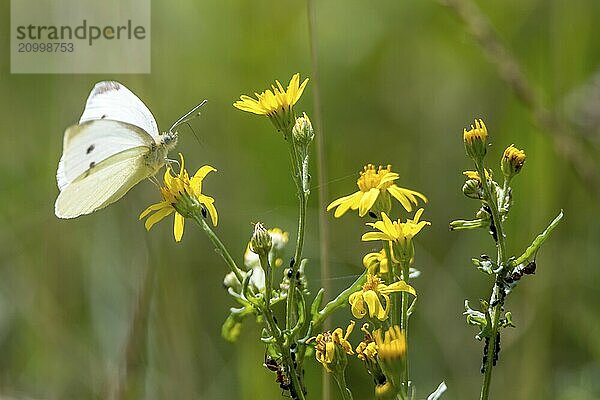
(193, 113)
(193, 132)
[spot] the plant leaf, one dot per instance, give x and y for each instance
(438, 392)
(538, 241)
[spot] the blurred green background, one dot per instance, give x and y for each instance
(399, 81)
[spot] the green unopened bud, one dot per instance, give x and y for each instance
(303, 132)
(261, 241)
(475, 140)
(512, 161)
(472, 189)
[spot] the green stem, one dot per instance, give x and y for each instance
(405, 301)
(300, 175)
(266, 266)
(282, 347)
(220, 247)
(395, 304)
(343, 386)
(496, 298)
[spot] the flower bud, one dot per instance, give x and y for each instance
(261, 241)
(512, 161)
(303, 132)
(475, 141)
(472, 189)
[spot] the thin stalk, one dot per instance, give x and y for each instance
(220, 247)
(299, 173)
(496, 298)
(276, 332)
(266, 266)
(405, 300)
(395, 304)
(321, 166)
(343, 386)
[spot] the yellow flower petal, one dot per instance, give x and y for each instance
(178, 227)
(196, 181)
(370, 236)
(358, 307)
(344, 204)
(153, 207)
(390, 229)
(367, 201)
(399, 195)
(208, 202)
(399, 286)
(373, 303)
(158, 216)
(329, 352)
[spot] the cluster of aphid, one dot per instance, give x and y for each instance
(510, 281)
(485, 352)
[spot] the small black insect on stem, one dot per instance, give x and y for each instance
(496, 349)
(493, 230)
(485, 354)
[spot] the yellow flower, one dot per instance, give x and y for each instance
(512, 161)
(276, 103)
(373, 182)
(475, 140)
(182, 196)
(376, 262)
(369, 298)
(475, 175)
(367, 349)
(329, 344)
(396, 231)
(392, 345)
(385, 390)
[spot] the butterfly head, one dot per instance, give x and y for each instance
(169, 139)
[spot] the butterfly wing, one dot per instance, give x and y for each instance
(87, 145)
(103, 184)
(112, 100)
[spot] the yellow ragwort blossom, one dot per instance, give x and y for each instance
(329, 343)
(512, 161)
(367, 349)
(276, 103)
(368, 299)
(376, 262)
(182, 196)
(373, 183)
(475, 175)
(475, 140)
(391, 345)
(396, 231)
(385, 390)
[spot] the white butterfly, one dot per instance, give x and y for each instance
(115, 145)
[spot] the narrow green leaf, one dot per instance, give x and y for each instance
(538, 241)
